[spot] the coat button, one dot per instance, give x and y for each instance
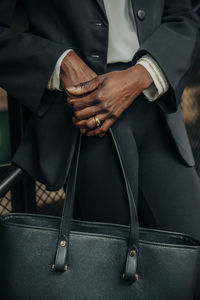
(141, 14)
(98, 24)
(95, 55)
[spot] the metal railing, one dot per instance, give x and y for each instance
(14, 198)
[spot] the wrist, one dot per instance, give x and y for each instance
(67, 62)
(141, 75)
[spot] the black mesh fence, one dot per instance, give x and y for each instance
(5, 204)
(48, 202)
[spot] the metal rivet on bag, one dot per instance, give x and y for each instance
(53, 267)
(63, 243)
(132, 253)
(136, 276)
(66, 267)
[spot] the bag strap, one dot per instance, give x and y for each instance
(67, 215)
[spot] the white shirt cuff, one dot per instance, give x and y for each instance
(160, 84)
(54, 82)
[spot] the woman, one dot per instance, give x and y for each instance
(163, 177)
(122, 64)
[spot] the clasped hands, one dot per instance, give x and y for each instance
(103, 96)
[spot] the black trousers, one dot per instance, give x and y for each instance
(166, 190)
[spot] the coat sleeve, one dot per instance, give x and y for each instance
(26, 61)
(173, 45)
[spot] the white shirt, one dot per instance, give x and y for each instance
(122, 45)
(122, 36)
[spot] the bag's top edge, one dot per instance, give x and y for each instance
(100, 228)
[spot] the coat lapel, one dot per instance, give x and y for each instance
(135, 8)
(102, 7)
(143, 27)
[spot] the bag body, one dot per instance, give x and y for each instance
(46, 257)
(166, 263)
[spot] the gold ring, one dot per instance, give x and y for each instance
(98, 122)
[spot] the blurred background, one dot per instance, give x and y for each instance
(22, 193)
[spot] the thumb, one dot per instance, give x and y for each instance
(84, 87)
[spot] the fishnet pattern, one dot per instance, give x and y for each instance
(5, 204)
(49, 202)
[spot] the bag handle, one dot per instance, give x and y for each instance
(67, 215)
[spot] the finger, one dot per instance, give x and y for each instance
(85, 87)
(81, 103)
(87, 113)
(90, 123)
(101, 131)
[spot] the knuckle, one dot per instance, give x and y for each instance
(107, 108)
(102, 131)
(114, 116)
(87, 125)
(103, 105)
(90, 124)
(98, 98)
(101, 95)
(72, 106)
(77, 115)
(79, 124)
(75, 107)
(69, 102)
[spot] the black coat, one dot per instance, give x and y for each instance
(167, 29)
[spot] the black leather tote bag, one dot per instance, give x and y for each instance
(46, 257)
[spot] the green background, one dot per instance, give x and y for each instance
(4, 138)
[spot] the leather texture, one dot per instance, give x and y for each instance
(161, 265)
